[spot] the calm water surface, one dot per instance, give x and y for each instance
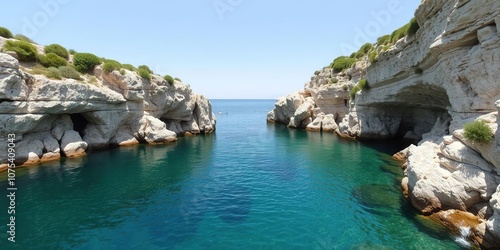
(248, 186)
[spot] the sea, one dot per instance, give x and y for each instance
(249, 185)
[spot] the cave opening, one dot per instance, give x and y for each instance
(79, 123)
(421, 106)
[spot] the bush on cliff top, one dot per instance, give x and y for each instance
(478, 131)
(342, 62)
(69, 72)
(169, 79)
(111, 65)
(85, 62)
(4, 32)
(23, 38)
(52, 60)
(145, 67)
(144, 73)
(129, 67)
(58, 50)
(24, 50)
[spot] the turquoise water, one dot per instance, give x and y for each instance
(251, 185)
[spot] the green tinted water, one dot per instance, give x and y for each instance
(249, 186)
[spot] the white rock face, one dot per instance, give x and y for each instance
(48, 116)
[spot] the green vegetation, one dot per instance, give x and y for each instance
(478, 131)
(384, 40)
(69, 72)
(54, 73)
(58, 50)
(24, 50)
(145, 67)
(111, 65)
(316, 72)
(373, 56)
(23, 38)
(362, 84)
(169, 79)
(413, 28)
(144, 73)
(72, 51)
(178, 79)
(122, 72)
(363, 50)
(4, 32)
(408, 29)
(129, 67)
(342, 62)
(85, 62)
(345, 87)
(52, 60)
(51, 72)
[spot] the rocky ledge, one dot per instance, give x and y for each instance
(425, 87)
(68, 118)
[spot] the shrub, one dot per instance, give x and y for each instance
(419, 70)
(354, 91)
(316, 72)
(353, 55)
(169, 79)
(334, 80)
(129, 67)
(69, 72)
(72, 51)
(23, 38)
(122, 72)
(413, 27)
(144, 67)
(111, 65)
(144, 73)
(345, 87)
(373, 56)
(399, 33)
(366, 47)
(4, 32)
(408, 29)
(85, 62)
(363, 84)
(178, 79)
(53, 73)
(478, 131)
(24, 50)
(58, 50)
(342, 62)
(52, 60)
(384, 40)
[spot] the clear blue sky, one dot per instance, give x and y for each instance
(222, 48)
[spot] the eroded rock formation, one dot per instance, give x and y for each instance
(54, 118)
(425, 87)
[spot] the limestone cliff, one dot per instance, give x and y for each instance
(54, 118)
(424, 87)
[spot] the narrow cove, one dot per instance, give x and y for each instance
(251, 185)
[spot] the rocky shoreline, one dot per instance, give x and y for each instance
(51, 118)
(424, 87)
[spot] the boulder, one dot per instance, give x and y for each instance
(73, 145)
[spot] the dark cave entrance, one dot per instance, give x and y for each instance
(79, 123)
(420, 107)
